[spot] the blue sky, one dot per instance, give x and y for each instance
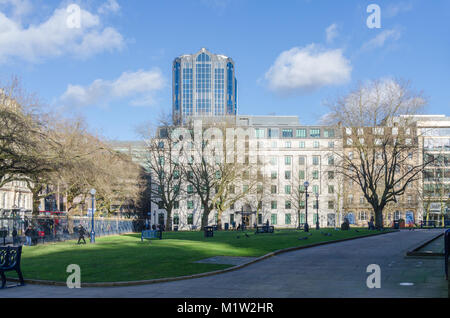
(290, 56)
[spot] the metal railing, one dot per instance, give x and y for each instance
(62, 228)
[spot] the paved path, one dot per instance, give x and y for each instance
(334, 270)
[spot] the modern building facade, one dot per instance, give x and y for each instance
(434, 140)
(204, 84)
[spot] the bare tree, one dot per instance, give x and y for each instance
(208, 170)
(380, 153)
(297, 196)
(22, 135)
(163, 167)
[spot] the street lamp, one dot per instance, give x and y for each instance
(306, 184)
(317, 207)
(92, 224)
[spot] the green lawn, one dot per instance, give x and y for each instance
(126, 258)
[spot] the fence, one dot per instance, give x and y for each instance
(61, 228)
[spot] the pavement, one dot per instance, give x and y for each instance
(328, 271)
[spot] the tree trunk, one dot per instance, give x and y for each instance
(36, 203)
(169, 220)
(205, 217)
(379, 218)
(219, 219)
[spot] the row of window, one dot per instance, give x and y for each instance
(273, 219)
(301, 175)
(375, 131)
(288, 144)
(273, 205)
(291, 133)
(315, 160)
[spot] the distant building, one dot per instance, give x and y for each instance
(294, 153)
(204, 84)
(434, 139)
(15, 195)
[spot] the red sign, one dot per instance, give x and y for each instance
(41, 233)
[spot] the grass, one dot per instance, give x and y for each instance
(126, 258)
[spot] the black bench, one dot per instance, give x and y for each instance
(10, 261)
(264, 229)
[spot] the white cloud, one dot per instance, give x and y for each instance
(394, 9)
(53, 37)
(331, 32)
(19, 8)
(139, 87)
(303, 70)
(382, 38)
(109, 6)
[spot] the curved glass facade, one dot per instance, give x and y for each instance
(204, 84)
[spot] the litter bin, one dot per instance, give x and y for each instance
(396, 224)
(209, 231)
(227, 226)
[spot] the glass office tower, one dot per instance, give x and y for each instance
(204, 84)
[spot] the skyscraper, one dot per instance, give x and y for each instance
(204, 84)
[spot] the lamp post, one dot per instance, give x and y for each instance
(306, 184)
(317, 207)
(92, 211)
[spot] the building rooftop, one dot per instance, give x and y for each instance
(246, 120)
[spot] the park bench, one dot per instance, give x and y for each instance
(10, 261)
(149, 234)
(264, 229)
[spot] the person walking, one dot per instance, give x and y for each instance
(28, 233)
(14, 235)
(81, 234)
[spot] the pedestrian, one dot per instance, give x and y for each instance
(28, 233)
(14, 235)
(371, 224)
(81, 234)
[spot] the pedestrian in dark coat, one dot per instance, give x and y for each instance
(81, 234)
(14, 235)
